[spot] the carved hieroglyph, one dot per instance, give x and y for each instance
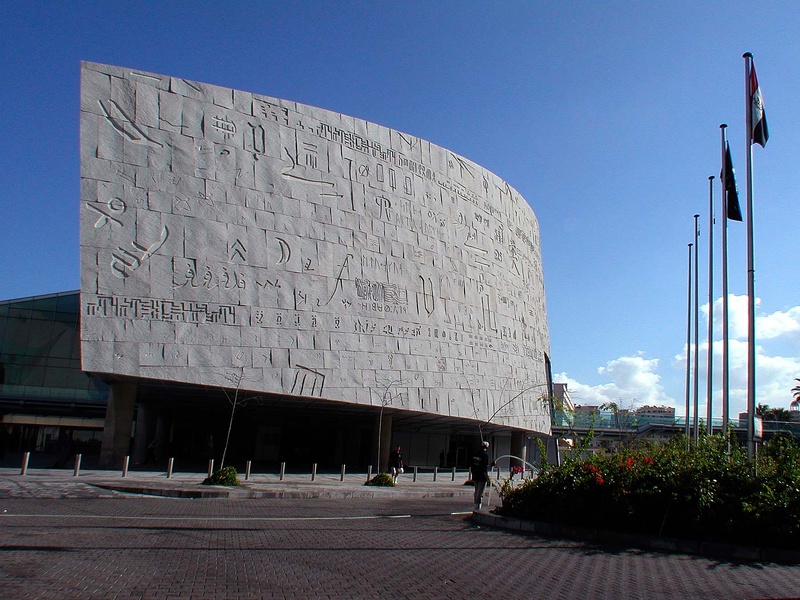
(229, 238)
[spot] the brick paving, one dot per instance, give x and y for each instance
(409, 544)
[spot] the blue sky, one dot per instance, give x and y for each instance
(604, 115)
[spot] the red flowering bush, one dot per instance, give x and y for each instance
(703, 491)
(596, 473)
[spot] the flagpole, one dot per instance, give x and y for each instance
(751, 297)
(688, 343)
(725, 374)
(710, 358)
(696, 331)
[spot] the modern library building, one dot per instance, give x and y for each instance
(295, 284)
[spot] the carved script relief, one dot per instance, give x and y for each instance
(115, 206)
(124, 125)
(338, 284)
(307, 382)
(425, 299)
(124, 262)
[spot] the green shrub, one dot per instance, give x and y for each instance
(225, 476)
(381, 480)
(699, 491)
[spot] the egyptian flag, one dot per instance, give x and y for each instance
(731, 192)
(758, 118)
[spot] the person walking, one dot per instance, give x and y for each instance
(396, 462)
(480, 473)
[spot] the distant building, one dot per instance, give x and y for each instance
(794, 410)
(563, 399)
(563, 406)
(658, 412)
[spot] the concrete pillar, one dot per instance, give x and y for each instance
(524, 455)
(118, 425)
(339, 453)
(552, 450)
(384, 428)
(517, 448)
(145, 432)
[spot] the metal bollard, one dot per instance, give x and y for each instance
(369, 472)
(77, 470)
(283, 470)
(210, 467)
(125, 463)
(313, 471)
(247, 471)
(342, 477)
(414, 479)
(170, 464)
(454, 474)
(435, 472)
(26, 457)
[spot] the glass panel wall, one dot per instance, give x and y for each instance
(40, 368)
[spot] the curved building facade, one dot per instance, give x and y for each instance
(239, 241)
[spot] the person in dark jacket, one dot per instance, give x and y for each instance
(396, 462)
(480, 473)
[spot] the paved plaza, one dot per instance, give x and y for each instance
(67, 537)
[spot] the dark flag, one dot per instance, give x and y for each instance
(731, 191)
(758, 118)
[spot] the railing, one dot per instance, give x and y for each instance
(606, 420)
(412, 474)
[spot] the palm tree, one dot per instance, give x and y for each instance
(780, 414)
(772, 414)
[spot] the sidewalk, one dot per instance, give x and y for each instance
(61, 483)
(91, 484)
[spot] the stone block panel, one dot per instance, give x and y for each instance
(233, 239)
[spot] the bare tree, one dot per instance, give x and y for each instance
(385, 400)
(234, 400)
(503, 406)
(543, 399)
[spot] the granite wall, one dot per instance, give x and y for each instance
(237, 240)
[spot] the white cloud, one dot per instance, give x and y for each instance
(634, 383)
(779, 324)
(774, 376)
(635, 380)
(774, 372)
(737, 316)
(775, 379)
(768, 326)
